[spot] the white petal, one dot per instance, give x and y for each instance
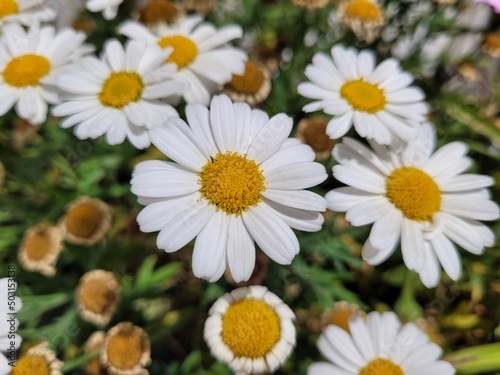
(302, 199)
(338, 126)
(412, 245)
(360, 177)
(468, 207)
(240, 250)
(296, 176)
(210, 247)
(448, 256)
(222, 119)
(271, 233)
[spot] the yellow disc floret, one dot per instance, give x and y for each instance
(120, 89)
(8, 7)
(185, 50)
(96, 296)
(125, 349)
(232, 182)
(414, 192)
(31, 364)
(381, 367)
(363, 96)
(364, 10)
(248, 83)
(38, 244)
(250, 328)
(26, 70)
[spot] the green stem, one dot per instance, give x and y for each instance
(475, 360)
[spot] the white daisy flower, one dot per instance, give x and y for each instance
(417, 195)
(200, 52)
(109, 8)
(250, 329)
(378, 346)
(377, 100)
(9, 306)
(119, 94)
(26, 12)
(30, 62)
(236, 179)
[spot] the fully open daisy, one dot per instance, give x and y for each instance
(236, 179)
(378, 346)
(118, 95)
(30, 62)
(25, 12)
(416, 195)
(200, 52)
(109, 8)
(38, 359)
(9, 340)
(251, 330)
(377, 100)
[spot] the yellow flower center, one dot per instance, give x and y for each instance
(248, 83)
(83, 220)
(8, 7)
(185, 50)
(363, 96)
(414, 192)
(365, 10)
(340, 316)
(232, 182)
(38, 244)
(121, 89)
(492, 41)
(96, 296)
(26, 70)
(250, 328)
(381, 367)
(125, 349)
(31, 364)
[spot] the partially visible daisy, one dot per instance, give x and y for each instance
(7, 329)
(416, 195)
(200, 6)
(364, 17)
(235, 179)
(95, 344)
(250, 329)
(312, 132)
(40, 249)
(119, 94)
(87, 220)
(201, 53)
(30, 63)
(154, 12)
(126, 350)
(25, 12)
(311, 4)
(378, 100)
(252, 87)
(109, 8)
(340, 314)
(38, 359)
(378, 346)
(491, 44)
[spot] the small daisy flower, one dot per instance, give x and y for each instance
(98, 296)
(199, 50)
(25, 12)
(416, 195)
(95, 344)
(38, 360)
(200, 6)
(312, 132)
(491, 44)
(377, 100)
(364, 17)
(378, 345)
(158, 11)
(86, 222)
(6, 336)
(252, 87)
(235, 179)
(109, 8)
(250, 329)
(40, 249)
(118, 95)
(30, 62)
(126, 350)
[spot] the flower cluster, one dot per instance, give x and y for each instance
(224, 134)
